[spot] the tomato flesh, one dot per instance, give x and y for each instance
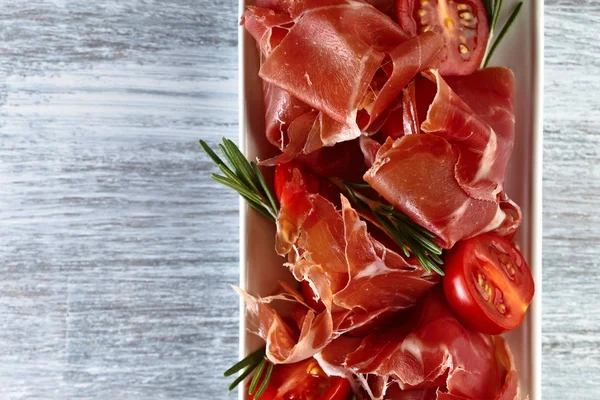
(304, 381)
(462, 23)
(488, 283)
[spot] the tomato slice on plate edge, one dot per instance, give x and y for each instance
(465, 299)
(304, 375)
(454, 34)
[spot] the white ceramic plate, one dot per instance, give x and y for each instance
(522, 51)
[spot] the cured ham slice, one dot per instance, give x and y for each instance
(416, 174)
(388, 7)
(477, 118)
(365, 278)
(281, 110)
(284, 344)
(449, 179)
(378, 277)
(359, 281)
(431, 357)
(342, 58)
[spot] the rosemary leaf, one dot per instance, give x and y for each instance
(358, 185)
(396, 235)
(352, 196)
(244, 177)
(260, 208)
(229, 157)
(437, 259)
(425, 242)
(242, 376)
(489, 9)
(257, 375)
(265, 382)
(264, 186)
(503, 32)
(431, 265)
(251, 362)
(495, 15)
(237, 187)
(244, 166)
(409, 236)
(230, 174)
(211, 153)
(250, 359)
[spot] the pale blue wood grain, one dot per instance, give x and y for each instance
(117, 249)
(571, 274)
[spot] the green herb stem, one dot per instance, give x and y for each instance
(502, 33)
(495, 7)
(244, 177)
(489, 9)
(409, 236)
(254, 363)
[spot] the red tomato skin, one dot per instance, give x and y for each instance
(270, 393)
(452, 62)
(339, 389)
(306, 386)
(460, 296)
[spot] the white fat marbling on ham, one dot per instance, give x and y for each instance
(372, 270)
(432, 352)
(488, 159)
(450, 178)
(336, 48)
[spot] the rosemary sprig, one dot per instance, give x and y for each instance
(255, 362)
(489, 10)
(493, 9)
(244, 177)
(411, 237)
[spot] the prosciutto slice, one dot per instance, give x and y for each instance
(359, 281)
(365, 278)
(450, 177)
(477, 118)
(285, 344)
(388, 7)
(343, 59)
(431, 357)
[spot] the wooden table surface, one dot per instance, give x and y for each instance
(118, 250)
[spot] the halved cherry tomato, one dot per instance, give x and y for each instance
(462, 23)
(304, 381)
(488, 284)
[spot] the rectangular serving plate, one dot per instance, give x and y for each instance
(522, 51)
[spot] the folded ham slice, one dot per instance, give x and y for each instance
(476, 116)
(344, 59)
(450, 177)
(359, 281)
(431, 356)
(287, 343)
